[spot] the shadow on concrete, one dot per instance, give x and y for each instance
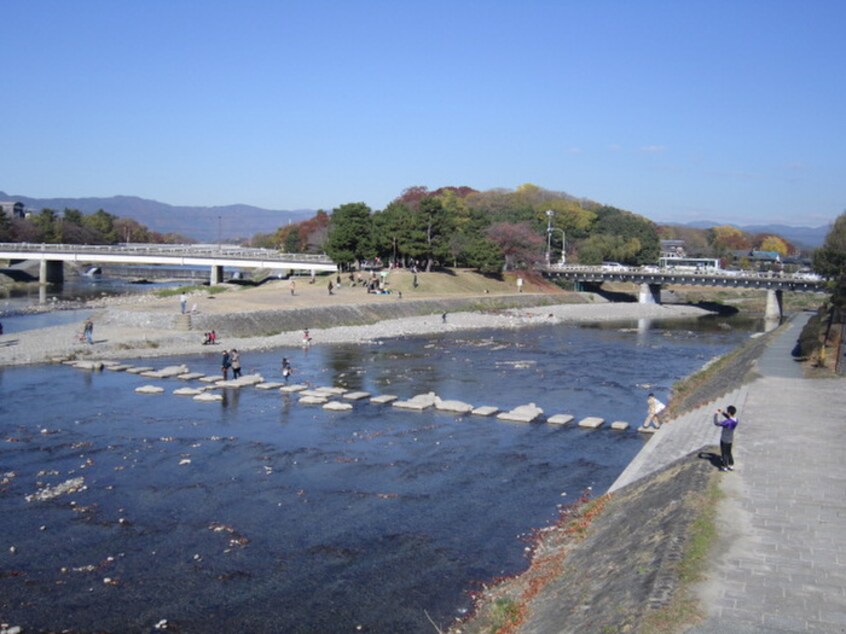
(715, 459)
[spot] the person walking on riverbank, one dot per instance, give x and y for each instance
(88, 331)
(183, 302)
(293, 287)
(654, 409)
(728, 421)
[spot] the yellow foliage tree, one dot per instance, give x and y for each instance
(774, 243)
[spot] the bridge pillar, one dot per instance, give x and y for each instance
(216, 274)
(649, 294)
(774, 305)
(51, 272)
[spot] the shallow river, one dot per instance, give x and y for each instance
(258, 514)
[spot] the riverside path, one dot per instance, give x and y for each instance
(780, 559)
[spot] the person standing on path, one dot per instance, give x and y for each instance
(225, 362)
(654, 408)
(235, 360)
(728, 421)
(183, 302)
(88, 331)
(293, 286)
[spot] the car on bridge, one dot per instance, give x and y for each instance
(613, 266)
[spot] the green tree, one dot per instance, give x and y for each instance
(830, 260)
(636, 238)
(350, 231)
(485, 256)
(46, 223)
(103, 223)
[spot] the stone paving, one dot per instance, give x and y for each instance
(781, 554)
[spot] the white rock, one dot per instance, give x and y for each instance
(187, 391)
(619, 425)
(560, 419)
(485, 410)
(268, 385)
(383, 399)
(208, 397)
(522, 414)
(457, 407)
(591, 422)
(356, 396)
(88, 365)
(190, 376)
(313, 400)
(138, 369)
(418, 402)
(149, 389)
(296, 387)
(336, 406)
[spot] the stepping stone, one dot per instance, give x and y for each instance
(646, 430)
(139, 369)
(249, 379)
(313, 400)
(337, 406)
(315, 393)
(356, 396)
(167, 372)
(522, 414)
(383, 399)
(332, 391)
(187, 391)
(591, 422)
(208, 397)
(149, 389)
(88, 365)
(417, 403)
(269, 385)
(619, 425)
(297, 387)
(190, 376)
(120, 367)
(485, 410)
(560, 419)
(210, 379)
(456, 407)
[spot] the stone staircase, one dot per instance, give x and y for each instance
(183, 322)
(678, 437)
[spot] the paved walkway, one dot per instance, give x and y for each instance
(781, 565)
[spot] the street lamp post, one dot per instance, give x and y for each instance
(563, 247)
(549, 214)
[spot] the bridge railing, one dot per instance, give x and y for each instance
(176, 250)
(646, 271)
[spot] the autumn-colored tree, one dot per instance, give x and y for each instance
(775, 244)
(725, 239)
(521, 246)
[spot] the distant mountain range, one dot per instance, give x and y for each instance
(210, 224)
(206, 224)
(809, 237)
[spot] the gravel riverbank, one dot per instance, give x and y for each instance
(149, 327)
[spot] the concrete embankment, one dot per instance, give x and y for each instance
(615, 570)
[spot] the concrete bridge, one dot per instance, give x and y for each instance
(216, 257)
(652, 279)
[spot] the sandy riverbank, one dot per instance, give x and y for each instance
(148, 326)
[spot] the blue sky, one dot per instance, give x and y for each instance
(686, 110)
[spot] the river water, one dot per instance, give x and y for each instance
(258, 514)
